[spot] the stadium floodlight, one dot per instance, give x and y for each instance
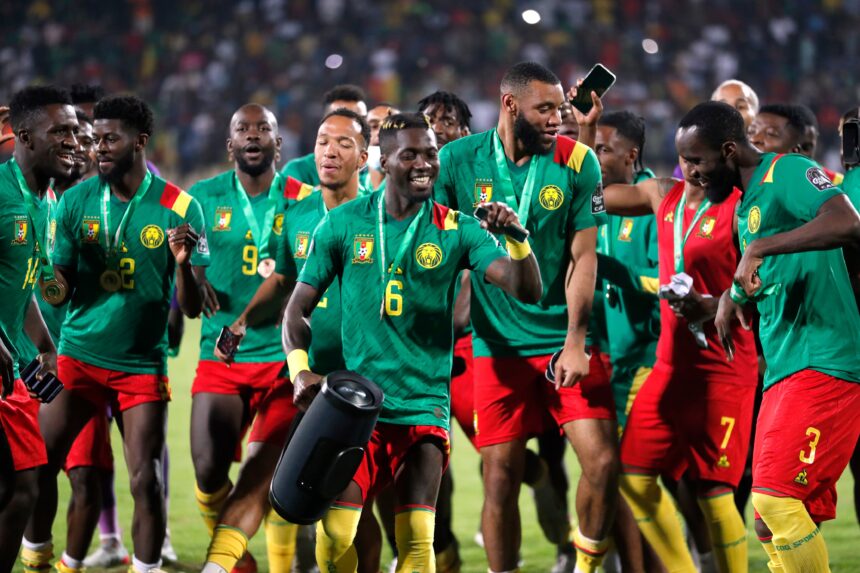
(531, 16)
(334, 61)
(650, 46)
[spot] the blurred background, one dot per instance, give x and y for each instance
(197, 61)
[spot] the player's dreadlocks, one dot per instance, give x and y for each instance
(450, 102)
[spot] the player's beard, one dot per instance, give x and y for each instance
(121, 166)
(721, 183)
(528, 136)
(255, 170)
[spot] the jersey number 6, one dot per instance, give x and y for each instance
(393, 298)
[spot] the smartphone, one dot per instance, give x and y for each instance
(227, 342)
(598, 80)
(516, 233)
(851, 142)
(47, 388)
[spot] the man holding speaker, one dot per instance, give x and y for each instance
(398, 255)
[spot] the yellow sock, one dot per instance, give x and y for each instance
(280, 542)
(413, 529)
(774, 563)
(335, 534)
(36, 556)
(589, 552)
(727, 529)
(658, 521)
(796, 538)
(228, 545)
(210, 505)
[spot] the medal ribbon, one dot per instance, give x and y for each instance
(262, 237)
(39, 234)
(507, 185)
(387, 272)
(112, 249)
(679, 229)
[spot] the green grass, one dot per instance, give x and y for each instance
(190, 538)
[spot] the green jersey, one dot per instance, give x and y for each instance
(403, 339)
(233, 221)
(53, 317)
(809, 317)
(124, 330)
(555, 195)
(304, 169)
(851, 186)
(326, 351)
(20, 256)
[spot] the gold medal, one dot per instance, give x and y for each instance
(110, 280)
(53, 291)
(266, 268)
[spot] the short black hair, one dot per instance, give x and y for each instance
(130, 109)
(449, 101)
(27, 103)
(519, 75)
(86, 93)
(398, 122)
(83, 117)
(795, 115)
(344, 92)
(348, 113)
(716, 123)
(629, 126)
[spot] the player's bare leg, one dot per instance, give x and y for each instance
(216, 426)
(17, 499)
(368, 541)
(503, 467)
(84, 508)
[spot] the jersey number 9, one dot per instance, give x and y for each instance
(249, 258)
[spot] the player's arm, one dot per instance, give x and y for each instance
(37, 331)
(463, 305)
(65, 249)
(517, 274)
(587, 122)
(7, 369)
(643, 198)
(183, 241)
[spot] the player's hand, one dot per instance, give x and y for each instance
(238, 329)
(594, 114)
(747, 272)
(4, 121)
(571, 367)
(7, 371)
(499, 216)
(728, 312)
(182, 240)
(210, 299)
(694, 307)
(48, 360)
(306, 385)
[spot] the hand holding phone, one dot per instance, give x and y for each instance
(227, 344)
(598, 80)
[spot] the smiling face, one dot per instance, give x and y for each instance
(714, 169)
(340, 151)
(413, 164)
(117, 147)
(254, 139)
(51, 139)
(537, 115)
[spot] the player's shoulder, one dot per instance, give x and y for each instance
(296, 190)
(172, 197)
(308, 203)
(469, 145)
(86, 189)
(574, 154)
(445, 218)
(204, 187)
(792, 168)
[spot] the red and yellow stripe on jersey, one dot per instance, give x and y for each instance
(295, 190)
(570, 152)
(175, 199)
(444, 218)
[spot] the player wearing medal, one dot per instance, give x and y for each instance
(552, 179)
(44, 126)
(791, 221)
(398, 256)
(121, 239)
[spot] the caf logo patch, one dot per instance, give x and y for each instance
(278, 224)
(597, 204)
(626, 230)
(706, 227)
(428, 255)
(818, 178)
(483, 191)
(90, 231)
(754, 220)
(301, 249)
(19, 235)
(362, 249)
(223, 215)
(551, 197)
(152, 236)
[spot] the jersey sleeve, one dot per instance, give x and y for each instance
(803, 187)
(65, 249)
(324, 257)
(642, 278)
(285, 264)
(445, 189)
(194, 217)
(482, 248)
(586, 182)
(295, 168)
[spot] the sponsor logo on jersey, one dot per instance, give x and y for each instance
(669, 217)
(801, 478)
(90, 232)
(302, 242)
(223, 215)
(249, 236)
(706, 227)
(483, 191)
(19, 233)
(278, 224)
(754, 220)
(819, 178)
(723, 462)
(428, 255)
(362, 249)
(551, 197)
(626, 230)
(597, 204)
(152, 236)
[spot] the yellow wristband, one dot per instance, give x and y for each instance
(297, 360)
(518, 251)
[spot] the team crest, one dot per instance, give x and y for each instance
(551, 197)
(278, 224)
(362, 249)
(223, 215)
(303, 240)
(626, 230)
(483, 191)
(801, 478)
(19, 235)
(428, 255)
(90, 231)
(706, 227)
(754, 220)
(723, 462)
(152, 236)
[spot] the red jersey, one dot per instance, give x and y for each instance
(710, 258)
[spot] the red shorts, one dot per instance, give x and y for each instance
(807, 430)
(269, 395)
(19, 421)
(512, 394)
(683, 421)
(463, 388)
(101, 385)
(92, 446)
(388, 446)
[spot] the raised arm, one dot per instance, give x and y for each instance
(642, 198)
